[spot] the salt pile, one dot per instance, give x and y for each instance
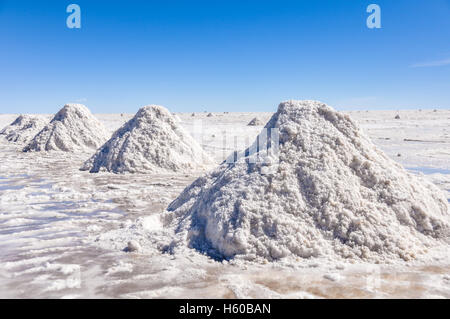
(72, 129)
(23, 129)
(255, 122)
(152, 141)
(333, 194)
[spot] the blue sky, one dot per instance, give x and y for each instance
(223, 55)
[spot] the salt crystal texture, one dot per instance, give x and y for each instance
(23, 129)
(72, 129)
(152, 141)
(333, 194)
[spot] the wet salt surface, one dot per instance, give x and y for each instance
(51, 215)
(429, 170)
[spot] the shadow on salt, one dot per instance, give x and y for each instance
(8, 186)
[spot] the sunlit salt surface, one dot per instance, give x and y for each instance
(52, 215)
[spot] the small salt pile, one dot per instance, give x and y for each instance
(255, 122)
(332, 194)
(133, 246)
(23, 129)
(72, 129)
(152, 141)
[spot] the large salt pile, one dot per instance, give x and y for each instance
(152, 141)
(72, 129)
(23, 129)
(332, 194)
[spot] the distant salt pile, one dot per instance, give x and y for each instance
(332, 194)
(176, 118)
(23, 129)
(72, 129)
(255, 122)
(210, 115)
(152, 141)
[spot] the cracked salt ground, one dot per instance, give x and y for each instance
(50, 223)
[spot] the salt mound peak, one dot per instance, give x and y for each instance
(331, 193)
(255, 122)
(23, 128)
(72, 129)
(152, 141)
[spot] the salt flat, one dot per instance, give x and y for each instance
(58, 224)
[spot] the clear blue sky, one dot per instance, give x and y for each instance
(223, 55)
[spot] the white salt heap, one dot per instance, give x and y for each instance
(23, 129)
(72, 129)
(152, 141)
(255, 122)
(333, 194)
